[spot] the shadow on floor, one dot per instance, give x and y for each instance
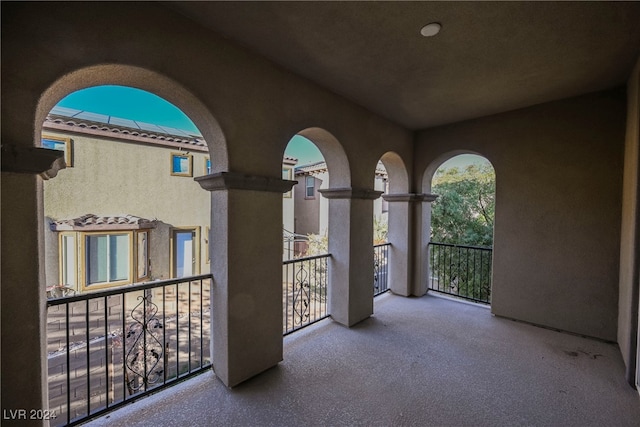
(417, 361)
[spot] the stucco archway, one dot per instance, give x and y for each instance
(167, 89)
(397, 171)
(401, 212)
(333, 154)
(150, 81)
(440, 250)
(350, 285)
(319, 161)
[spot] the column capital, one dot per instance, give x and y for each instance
(350, 193)
(32, 160)
(409, 197)
(239, 181)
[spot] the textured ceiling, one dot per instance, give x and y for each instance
(489, 57)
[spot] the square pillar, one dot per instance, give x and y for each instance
(421, 246)
(24, 313)
(402, 212)
(246, 264)
(351, 249)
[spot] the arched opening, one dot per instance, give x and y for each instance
(127, 231)
(461, 227)
(109, 219)
(306, 227)
(390, 220)
(305, 212)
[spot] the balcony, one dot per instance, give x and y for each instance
(417, 361)
(106, 349)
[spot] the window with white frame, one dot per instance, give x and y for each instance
(109, 258)
(310, 186)
(68, 260)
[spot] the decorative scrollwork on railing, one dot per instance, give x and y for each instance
(376, 272)
(144, 358)
(301, 296)
(454, 283)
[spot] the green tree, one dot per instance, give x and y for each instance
(464, 212)
(318, 244)
(380, 229)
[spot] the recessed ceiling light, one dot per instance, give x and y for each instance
(431, 29)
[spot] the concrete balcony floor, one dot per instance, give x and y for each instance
(418, 361)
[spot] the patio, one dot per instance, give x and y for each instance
(417, 361)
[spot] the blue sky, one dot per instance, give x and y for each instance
(139, 105)
(129, 103)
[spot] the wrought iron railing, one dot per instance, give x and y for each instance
(380, 268)
(111, 347)
(304, 291)
(461, 271)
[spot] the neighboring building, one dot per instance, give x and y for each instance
(148, 221)
(288, 199)
(312, 210)
(288, 206)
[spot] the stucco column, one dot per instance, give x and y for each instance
(351, 249)
(422, 231)
(246, 264)
(24, 358)
(402, 211)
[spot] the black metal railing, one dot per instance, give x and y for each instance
(380, 268)
(110, 347)
(304, 291)
(461, 271)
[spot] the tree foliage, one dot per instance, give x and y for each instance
(380, 229)
(464, 212)
(318, 244)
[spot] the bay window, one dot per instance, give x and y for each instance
(109, 258)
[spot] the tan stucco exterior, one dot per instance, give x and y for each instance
(111, 176)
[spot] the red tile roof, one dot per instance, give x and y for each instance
(94, 222)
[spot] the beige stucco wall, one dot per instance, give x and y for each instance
(558, 196)
(630, 242)
(113, 177)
